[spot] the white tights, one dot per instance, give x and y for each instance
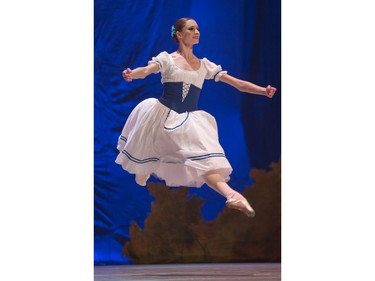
(217, 183)
(212, 179)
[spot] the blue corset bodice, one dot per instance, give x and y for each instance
(180, 96)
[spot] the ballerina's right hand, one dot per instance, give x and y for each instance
(126, 74)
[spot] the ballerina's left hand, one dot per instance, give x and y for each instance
(270, 91)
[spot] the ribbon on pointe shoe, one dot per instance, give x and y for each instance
(241, 205)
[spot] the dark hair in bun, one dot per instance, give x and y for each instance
(178, 26)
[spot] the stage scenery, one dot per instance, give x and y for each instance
(160, 229)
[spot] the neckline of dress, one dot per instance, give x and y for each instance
(191, 70)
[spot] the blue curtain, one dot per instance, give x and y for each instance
(243, 36)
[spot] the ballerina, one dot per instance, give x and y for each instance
(169, 137)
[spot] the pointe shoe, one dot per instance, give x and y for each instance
(141, 179)
(241, 205)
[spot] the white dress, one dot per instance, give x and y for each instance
(169, 137)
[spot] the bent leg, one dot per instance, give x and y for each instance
(141, 179)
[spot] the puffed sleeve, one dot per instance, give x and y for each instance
(161, 60)
(214, 71)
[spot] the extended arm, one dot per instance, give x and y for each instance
(248, 87)
(139, 72)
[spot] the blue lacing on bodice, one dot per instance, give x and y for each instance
(180, 97)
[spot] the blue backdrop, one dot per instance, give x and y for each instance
(243, 36)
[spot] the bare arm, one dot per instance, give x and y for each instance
(248, 87)
(139, 72)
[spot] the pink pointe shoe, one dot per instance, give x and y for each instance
(241, 205)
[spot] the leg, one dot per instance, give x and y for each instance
(141, 179)
(234, 199)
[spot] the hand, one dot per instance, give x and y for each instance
(126, 74)
(270, 91)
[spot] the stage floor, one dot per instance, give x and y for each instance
(191, 272)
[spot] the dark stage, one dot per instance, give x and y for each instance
(196, 272)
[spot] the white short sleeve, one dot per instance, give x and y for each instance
(161, 60)
(214, 71)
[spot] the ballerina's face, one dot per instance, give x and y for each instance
(190, 33)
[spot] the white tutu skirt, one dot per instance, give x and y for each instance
(177, 148)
